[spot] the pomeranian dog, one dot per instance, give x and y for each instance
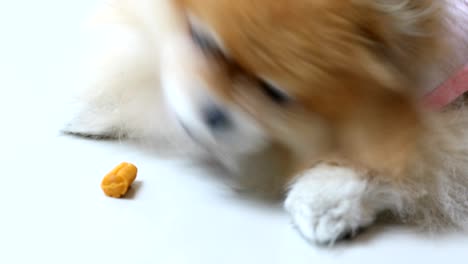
(336, 86)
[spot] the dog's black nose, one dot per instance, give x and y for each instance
(216, 118)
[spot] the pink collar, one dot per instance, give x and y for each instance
(448, 92)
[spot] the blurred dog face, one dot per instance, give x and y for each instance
(318, 77)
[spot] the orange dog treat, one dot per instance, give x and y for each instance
(116, 183)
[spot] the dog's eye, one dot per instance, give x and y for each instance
(205, 43)
(274, 93)
(201, 41)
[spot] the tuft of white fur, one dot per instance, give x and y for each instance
(121, 95)
(435, 184)
(119, 73)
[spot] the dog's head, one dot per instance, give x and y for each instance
(316, 76)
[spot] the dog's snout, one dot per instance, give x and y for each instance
(216, 118)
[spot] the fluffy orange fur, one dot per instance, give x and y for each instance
(352, 64)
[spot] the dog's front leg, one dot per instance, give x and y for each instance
(329, 202)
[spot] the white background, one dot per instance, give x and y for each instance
(53, 211)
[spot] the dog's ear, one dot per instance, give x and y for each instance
(405, 35)
(410, 17)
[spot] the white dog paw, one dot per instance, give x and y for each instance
(329, 202)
